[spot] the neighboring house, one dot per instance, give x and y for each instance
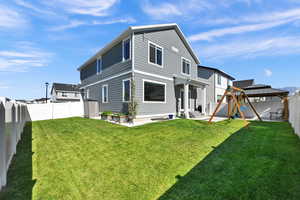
(163, 66)
(219, 82)
(62, 92)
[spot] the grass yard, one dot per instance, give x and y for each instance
(88, 159)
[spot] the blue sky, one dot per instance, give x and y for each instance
(42, 40)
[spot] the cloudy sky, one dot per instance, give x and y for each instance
(45, 41)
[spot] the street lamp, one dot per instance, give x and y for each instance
(47, 84)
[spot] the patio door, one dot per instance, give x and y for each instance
(182, 100)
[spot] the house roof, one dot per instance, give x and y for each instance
(266, 92)
(219, 71)
(257, 86)
(133, 29)
(65, 87)
(243, 83)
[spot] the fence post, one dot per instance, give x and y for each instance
(2, 147)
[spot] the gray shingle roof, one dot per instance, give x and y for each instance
(218, 70)
(243, 83)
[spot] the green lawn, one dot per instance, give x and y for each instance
(87, 159)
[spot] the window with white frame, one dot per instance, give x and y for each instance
(126, 90)
(105, 94)
(99, 65)
(219, 79)
(186, 66)
(126, 49)
(155, 54)
(154, 92)
(87, 93)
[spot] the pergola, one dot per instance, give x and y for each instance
(268, 91)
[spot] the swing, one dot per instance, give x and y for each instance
(238, 97)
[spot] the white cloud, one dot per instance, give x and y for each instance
(84, 7)
(10, 18)
(22, 59)
(251, 48)
(77, 23)
(4, 86)
(210, 35)
(268, 72)
(160, 11)
(34, 8)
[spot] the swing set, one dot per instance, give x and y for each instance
(236, 97)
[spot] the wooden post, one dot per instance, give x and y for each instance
(219, 105)
(229, 107)
(254, 110)
(286, 108)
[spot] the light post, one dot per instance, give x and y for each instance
(47, 84)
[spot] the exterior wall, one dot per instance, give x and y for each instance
(115, 95)
(220, 88)
(208, 75)
(168, 40)
(145, 108)
(172, 65)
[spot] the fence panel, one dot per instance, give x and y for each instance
(13, 117)
(294, 111)
(55, 110)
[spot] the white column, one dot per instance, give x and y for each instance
(186, 101)
(204, 100)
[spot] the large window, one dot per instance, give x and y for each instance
(126, 90)
(154, 92)
(155, 54)
(186, 66)
(99, 65)
(126, 49)
(105, 94)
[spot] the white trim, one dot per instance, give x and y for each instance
(155, 115)
(154, 75)
(123, 59)
(157, 82)
(107, 79)
(87, 93)
(103, 86)
(123, 89)
(188, 60)
(162, 54)
(132, 51)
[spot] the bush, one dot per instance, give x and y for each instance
(107, 113)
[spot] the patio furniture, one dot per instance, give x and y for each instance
(276, 115)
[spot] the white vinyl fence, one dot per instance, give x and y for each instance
(55, 110)
(13, 117)
(294, 109)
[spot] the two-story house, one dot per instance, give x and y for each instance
(219, 82)
(62, 92)
(163, 66)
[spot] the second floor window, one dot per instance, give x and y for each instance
(99, 65)
(105, 94)
(155, 54)
(219, 79)
(126, 49)
(186, 66)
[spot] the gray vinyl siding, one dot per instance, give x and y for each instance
(171, 59)
(154, 108)
(113, 70)
(113, 56)
(88, 71)
(112, 64)
(115, 95)
(208, 75)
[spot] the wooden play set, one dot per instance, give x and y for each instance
(237, 100)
